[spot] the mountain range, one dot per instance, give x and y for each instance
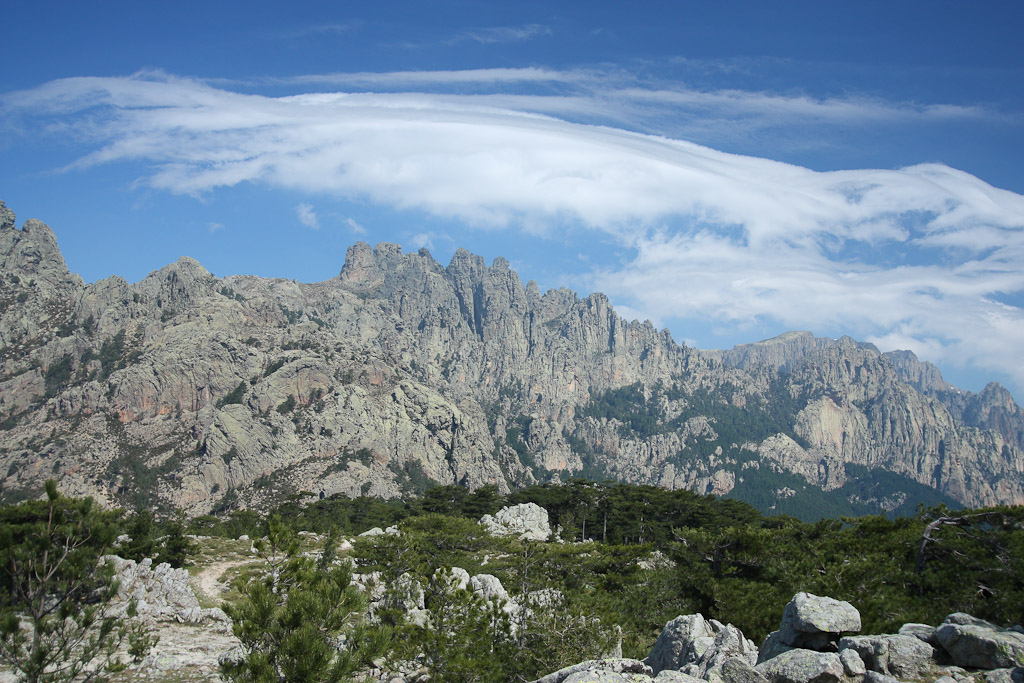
(205, 394)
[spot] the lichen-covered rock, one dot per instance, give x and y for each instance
(814, 623)
(802, 666)
(900, 655)
(976, 643)
(599, 670)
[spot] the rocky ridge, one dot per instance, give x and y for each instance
(189, 391)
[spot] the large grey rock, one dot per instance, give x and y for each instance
(599, 671)
(694, 645)
(1015, 675)
(853, 663)
(529, 521)
(921, 631)
(815, 623)
(772, 647)
(734, 670)
(900, 655)
(975, 643)
(802, 666)
(875, 677)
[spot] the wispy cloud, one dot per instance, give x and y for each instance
(501, 34)
(355, 227)
(918, 256)
(307, 216)
(215, 227)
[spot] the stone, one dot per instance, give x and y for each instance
(1014, 675)
(815, 623)
(772, 647)
(875, 677)
(734, 670)
(853, 664)
(802, 666)
(921, 631)
(669, 676)
(899, 655)
(975, 643)
(527, 520)
(598, 670)
(698, 647)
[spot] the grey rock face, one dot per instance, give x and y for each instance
(815, 623)
(976, 643)
(401, 372)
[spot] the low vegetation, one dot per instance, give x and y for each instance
(633, 558)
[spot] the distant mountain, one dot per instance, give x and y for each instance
(189, 391)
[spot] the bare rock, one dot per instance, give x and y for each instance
(902, 656)
(815, 623)
(975, 643)
(695, 646)
(803, 666)
(527, 520)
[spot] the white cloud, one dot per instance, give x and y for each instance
(502, 34)
(215, 227)
(913, 256)
(307, 216)
(355, 227)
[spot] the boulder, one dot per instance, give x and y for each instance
(921, 631)
(899, 655)
(853, 664)
(695, 646)
(598, 671)
(815, 623)
(975, 643)
(1015, 675)
(527, 520)
(875, 677)
(735, 670)
(802, 666)
(772, 647)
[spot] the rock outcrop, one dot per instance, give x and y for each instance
(808, 648)
(528, 521)
(189, 391)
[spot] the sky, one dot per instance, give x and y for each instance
(727, 170)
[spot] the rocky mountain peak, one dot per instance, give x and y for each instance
(31, 252)
(6, 217)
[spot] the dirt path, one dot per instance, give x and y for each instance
(208, 580)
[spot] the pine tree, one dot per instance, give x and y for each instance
(53, 590)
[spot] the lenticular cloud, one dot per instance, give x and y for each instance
(920, 254)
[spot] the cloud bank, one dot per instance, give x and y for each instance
(922, 257)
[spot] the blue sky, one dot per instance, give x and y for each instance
(729, 170)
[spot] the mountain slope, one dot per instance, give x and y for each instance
(191, 391)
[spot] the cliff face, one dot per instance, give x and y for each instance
(203, 393)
